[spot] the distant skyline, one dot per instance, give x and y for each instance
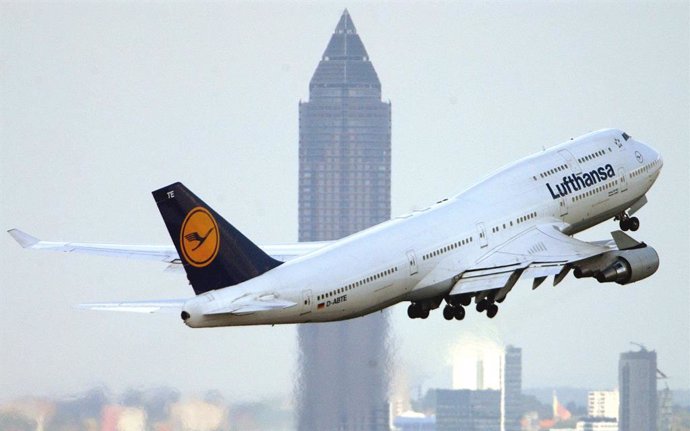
(100, 103)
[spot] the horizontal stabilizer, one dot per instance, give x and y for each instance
(145, 252)
(249, 306)
(282, 252)
(161, 305)
(23, 238)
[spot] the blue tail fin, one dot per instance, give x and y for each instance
(213, 252)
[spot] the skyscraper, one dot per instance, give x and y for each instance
(637, 385)
(468, 410)
(344, 187)
(512, 388)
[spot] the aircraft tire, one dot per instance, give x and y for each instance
(634, 223)
(459, 313)
(448, 312)
(492, 310)
(424, 314)
(412, 311)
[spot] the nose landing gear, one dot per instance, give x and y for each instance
(628, 223)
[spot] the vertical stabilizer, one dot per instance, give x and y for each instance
(214, 254)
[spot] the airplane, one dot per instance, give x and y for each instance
(517, 224)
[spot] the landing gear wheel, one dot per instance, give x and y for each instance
(423, 313)
(628, 223)
(459, 313)
(481, 305)
(633, 223)
(448, 312)
(492, 310)
(412, 311)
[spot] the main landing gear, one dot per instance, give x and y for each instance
(451, 312)
(417, 310)
(489, 306)
(455, 307)
(628, 223)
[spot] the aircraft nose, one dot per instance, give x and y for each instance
(651, 154)
(659, 158)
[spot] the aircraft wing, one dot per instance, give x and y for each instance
(537, 253)
(167, 254)
(161, 305)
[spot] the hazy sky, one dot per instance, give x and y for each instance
(103, 102)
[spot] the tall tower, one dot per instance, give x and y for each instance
(637, 385)
(512, 388)
(344, 187)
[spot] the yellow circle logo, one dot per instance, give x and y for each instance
(199, 237)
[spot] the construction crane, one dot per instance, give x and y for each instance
(641, 346)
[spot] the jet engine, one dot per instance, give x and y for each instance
(620, 266)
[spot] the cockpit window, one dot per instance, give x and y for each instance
(626, 136)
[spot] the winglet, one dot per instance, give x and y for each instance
(624, 241)
(23, 238)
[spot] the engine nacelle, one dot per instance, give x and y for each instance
(620, 266)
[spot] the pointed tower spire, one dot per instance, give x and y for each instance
(345, 62)
(345, 25)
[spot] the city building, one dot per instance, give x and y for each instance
(511, 385)
(603, 404)
(468, 410)
(344, 187)
(413, 421)
(477, 363)
(638, 394)
(665, 411)
(597, 424)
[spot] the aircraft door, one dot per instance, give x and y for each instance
(563, 206)
(622, 180)
(571, 160)
(483, 241)
(307, 301)
(412, 261)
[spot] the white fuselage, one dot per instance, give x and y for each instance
(577, 184)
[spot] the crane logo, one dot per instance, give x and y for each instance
(199, 237)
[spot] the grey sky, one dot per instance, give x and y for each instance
(103, 102)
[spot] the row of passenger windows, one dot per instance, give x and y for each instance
(518, 220)
(553, 171)
(526, 217)
(358, 283)
(591, 156)
(564, 167)
(447, 248)
(644, 168)
(594, 191)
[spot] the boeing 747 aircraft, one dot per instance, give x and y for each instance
(516, 224)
